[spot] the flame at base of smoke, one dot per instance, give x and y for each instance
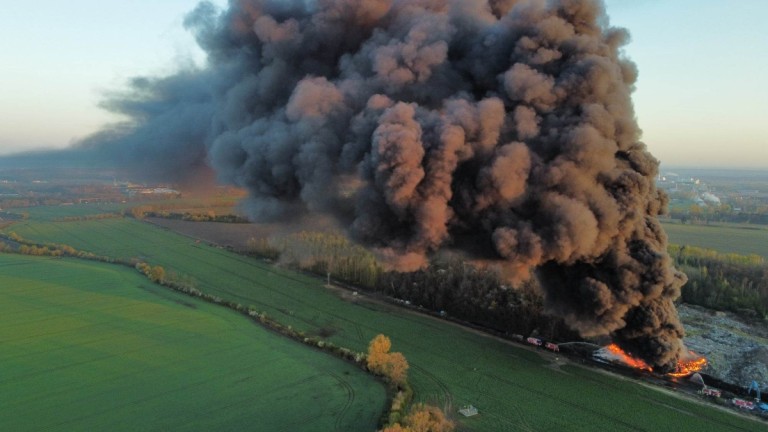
(691, 363)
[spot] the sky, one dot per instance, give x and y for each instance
(701, 97)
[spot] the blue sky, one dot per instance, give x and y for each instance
(701, 98)
(59, 57)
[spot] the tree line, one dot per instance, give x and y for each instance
(99, 216)
(723, 213)
(732, 282)
(322, 253)
(141, 212)
(479, 295)
(448, 287)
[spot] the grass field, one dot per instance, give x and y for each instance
(726, 239)
(47, 213)
(221, 205)
(514, 388)
(96, 347)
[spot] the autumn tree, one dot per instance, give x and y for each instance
(378, 350)
(422, 418)
(397, 368)
(157, 274)
(427, 418)
(393, 366)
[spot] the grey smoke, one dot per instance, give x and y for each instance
(417, 123)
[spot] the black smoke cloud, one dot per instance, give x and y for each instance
(420, 124)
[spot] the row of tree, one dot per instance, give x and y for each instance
(476, 294)
(449, 287)
(15, 243)
(99, 216)
(141, 212)
(737, 283)
(422, 418)
(323, 253)
(722, 213)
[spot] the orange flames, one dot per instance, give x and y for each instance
(691, 364)
(625, 358)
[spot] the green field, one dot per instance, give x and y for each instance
(726, 239)
(514, 388)
(47, 213)
(96, 347)
(218, 205)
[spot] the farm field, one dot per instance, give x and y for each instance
(514, 388)
(48, 213)
(91, 346)
(220, 205)
(725, 239)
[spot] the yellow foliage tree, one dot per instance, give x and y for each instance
(397, 368)
(378, 351)
(157, 274)
(423, 418)
(380, 344)
(394, 366)
(426, 418)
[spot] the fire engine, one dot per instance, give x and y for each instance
(534, 341)
(709, 391)
(745, 404)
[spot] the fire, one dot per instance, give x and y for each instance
(691, 364)
(626, 358)
(694, 364)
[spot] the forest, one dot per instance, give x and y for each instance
(479, 295)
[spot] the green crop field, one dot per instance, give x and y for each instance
(725, 239)
(76, 210)
(514, 388)
(96, 347)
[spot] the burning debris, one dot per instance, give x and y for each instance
(613, 354)
(689, 364)
(504, 129)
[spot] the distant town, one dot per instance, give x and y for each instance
(28, 188)
(716, 195)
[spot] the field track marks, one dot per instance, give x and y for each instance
(347, 405)
(446, 397)
(189, 386)
(358, 330)
(570, 403)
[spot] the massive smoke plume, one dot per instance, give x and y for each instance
(501, 127)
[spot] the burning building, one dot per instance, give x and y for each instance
(500, 128)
